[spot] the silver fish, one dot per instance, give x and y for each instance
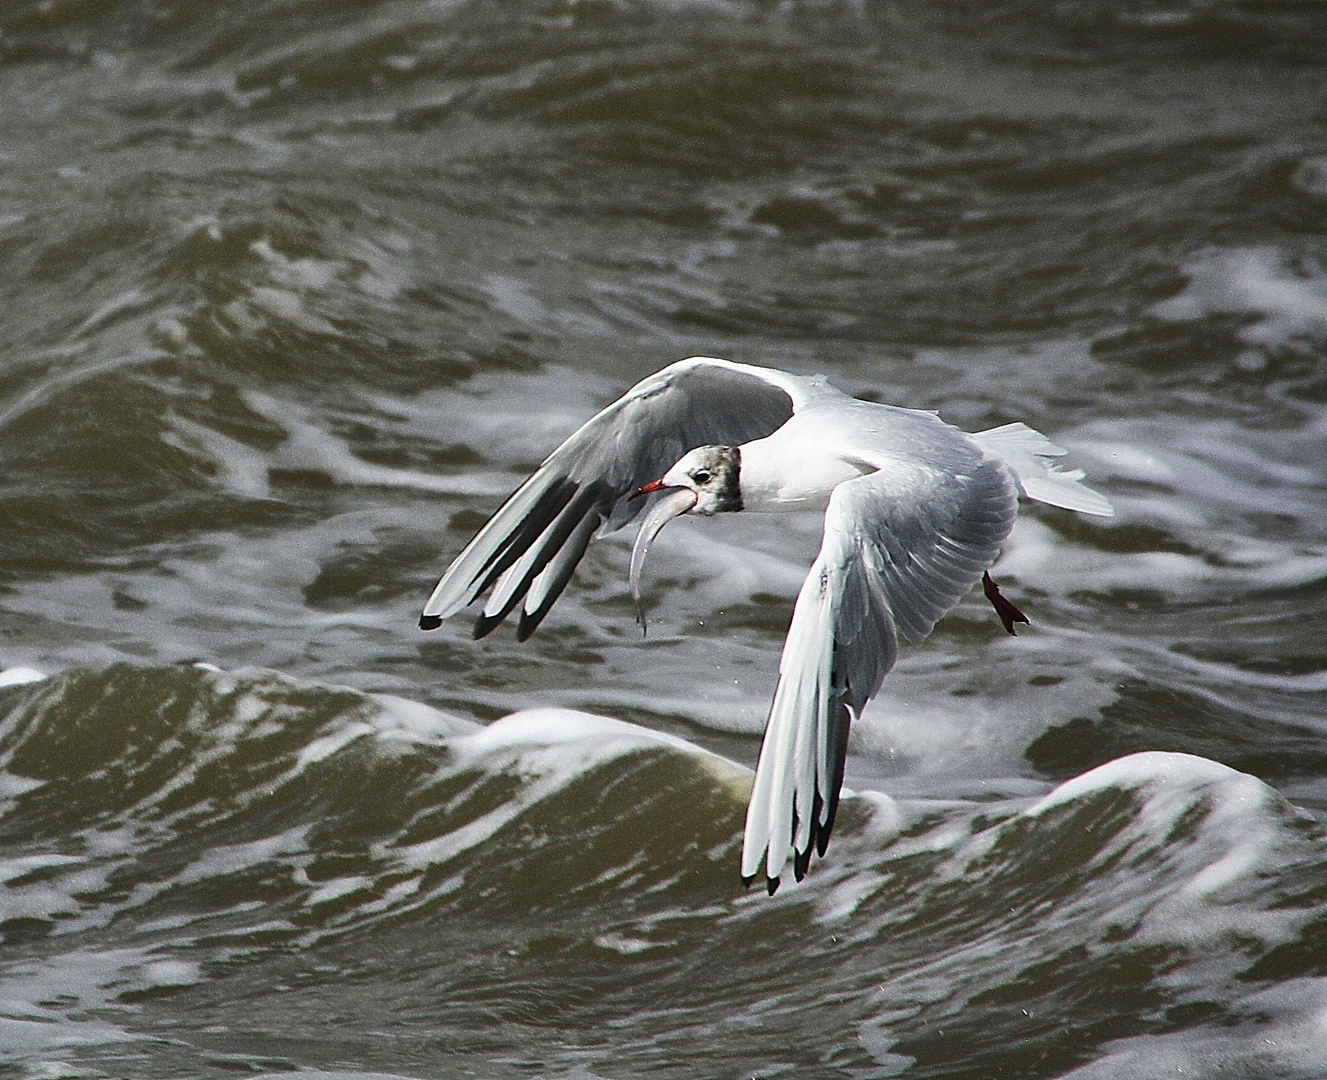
(670, 506)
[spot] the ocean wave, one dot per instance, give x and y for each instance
(165, 830)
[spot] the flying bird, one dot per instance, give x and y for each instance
(915, 513)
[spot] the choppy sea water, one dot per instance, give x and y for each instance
(293, 293)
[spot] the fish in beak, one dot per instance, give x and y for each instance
(667, 508)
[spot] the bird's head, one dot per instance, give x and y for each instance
(712, 473)
(705, 481)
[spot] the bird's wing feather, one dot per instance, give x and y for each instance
(901, 546)
(529, 548)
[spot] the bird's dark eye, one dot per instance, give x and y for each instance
(702, 476)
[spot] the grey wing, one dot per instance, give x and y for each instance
(527, 551)
(901, 547)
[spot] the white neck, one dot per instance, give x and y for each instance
(781, 474)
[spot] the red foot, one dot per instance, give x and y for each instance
(1007, 612)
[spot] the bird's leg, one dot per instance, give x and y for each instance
(1007, 612)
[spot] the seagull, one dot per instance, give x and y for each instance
(915, 513)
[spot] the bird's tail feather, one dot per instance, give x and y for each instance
(1029, 455)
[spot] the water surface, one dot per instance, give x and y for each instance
(294, 293)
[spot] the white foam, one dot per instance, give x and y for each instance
(1209, 486)
(554, 727)
(295, 287)
(20, 676)
(395, 719)
(1256, 281)
(20, 1038)
(335, 888)
(1211, 463)
(1310, 177)
(169, 973)
(234, 599)
(1145, 772)
(308, 445)
(12, 786)
(22, 865)
(229, 859)
(132, 301)
(54, 896)
(287, 305)
(518, 421)
(304, 273)
(1209, 886)
(1279, 1031)
(719, 705)
(241, 470)
(41, 998)
(323, 748)
(626, 946)
(515, 298)
(1190, 860)
(1036, 555)
(917, 723)
(400, 717)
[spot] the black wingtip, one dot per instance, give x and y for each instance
(430, 622)
(802, 862)
(528, 624)
(485, 624)
(772, 885)
(822, 837)
(748, 880)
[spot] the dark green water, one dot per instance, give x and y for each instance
(293, 293)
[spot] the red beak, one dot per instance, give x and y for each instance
(648, 489)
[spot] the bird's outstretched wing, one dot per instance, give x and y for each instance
(901, 546)
(529, 548)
